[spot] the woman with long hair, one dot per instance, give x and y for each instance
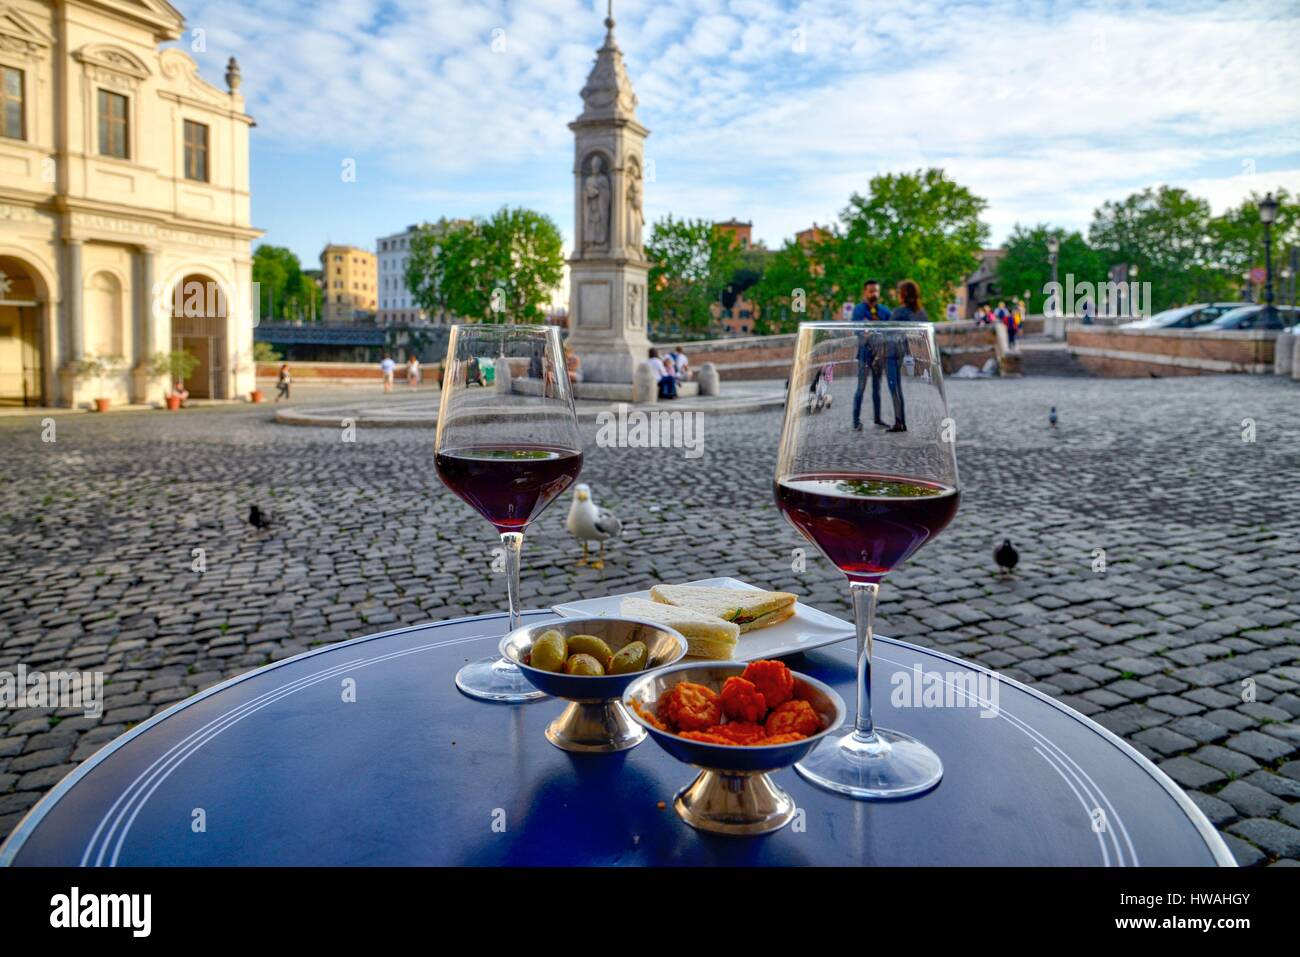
(908, 310)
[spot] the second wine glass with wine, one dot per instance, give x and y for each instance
(508, 449)
(868, 499)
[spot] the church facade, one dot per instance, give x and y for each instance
(124, 207)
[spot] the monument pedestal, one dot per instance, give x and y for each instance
(608, 318)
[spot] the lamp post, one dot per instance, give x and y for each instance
(1053, 248)
(1267, 215)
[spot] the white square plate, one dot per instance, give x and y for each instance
(806, 628)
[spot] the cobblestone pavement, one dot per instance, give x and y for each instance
(1187, 645)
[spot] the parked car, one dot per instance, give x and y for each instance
(1186, 317)
(1252, 317)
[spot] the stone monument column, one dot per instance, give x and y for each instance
(608, 269)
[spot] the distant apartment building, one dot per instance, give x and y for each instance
(395, 302)
(350, 283)
(981, 286)
(741, 233)
(808, 237)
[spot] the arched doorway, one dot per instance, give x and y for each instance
(22, 335)
(199, 328)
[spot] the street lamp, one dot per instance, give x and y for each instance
(1267, 214)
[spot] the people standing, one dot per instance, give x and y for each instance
(869, 309)
(387, 367)
(412, 371)
(897, 355)
(282, 382)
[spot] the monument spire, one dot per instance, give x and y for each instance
(608, 93)
(608, 269)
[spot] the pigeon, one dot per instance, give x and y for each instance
(588, 522)
(1006, 555)
(1051, 417)
(258, 518)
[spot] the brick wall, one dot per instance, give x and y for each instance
(1118, 352)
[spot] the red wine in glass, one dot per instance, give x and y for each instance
(866, 524)
(509, 486)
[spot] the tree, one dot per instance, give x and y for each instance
(1025, 266)
(690, 266)
(920, 226)
(1237, 242)
(503, 269)
(285, 291)
(1165, 232)
(797, 285)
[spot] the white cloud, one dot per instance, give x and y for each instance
(1045, 109)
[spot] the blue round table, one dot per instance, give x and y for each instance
(365, 753)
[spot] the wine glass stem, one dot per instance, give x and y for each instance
(864, 611)
(513, 542)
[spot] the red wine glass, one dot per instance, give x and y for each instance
(868, 497)
(507, 444)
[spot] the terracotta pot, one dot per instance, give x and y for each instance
(255, 395)
(173, 403)
(101, 405)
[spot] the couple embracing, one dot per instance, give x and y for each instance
(875, 353)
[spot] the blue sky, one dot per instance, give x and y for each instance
(767, 111)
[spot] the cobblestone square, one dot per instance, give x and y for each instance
(1187, 644)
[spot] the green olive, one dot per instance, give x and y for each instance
(549, 651)
(584, 665)
(631, 657)
(591, 645)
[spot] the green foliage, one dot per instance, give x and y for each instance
(797, 286)
(1025, 268)
(455, 267)
(691, 264)
(920, 226)
(1165, 233)
(92, 368)
(1237, 238)
(174, 366)
(265, 352)
(285, 291)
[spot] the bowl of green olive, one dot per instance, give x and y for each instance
(590, 662)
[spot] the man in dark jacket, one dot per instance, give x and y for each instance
(869, 309)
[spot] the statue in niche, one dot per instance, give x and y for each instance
(596, 195)
(634, 306)
(635, 215)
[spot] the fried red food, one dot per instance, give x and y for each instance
(781, 738)
(793, 717)
(739, 732)
(773, 680)
(707, 737)
(742, 701)
(648, 716)
(690, 707)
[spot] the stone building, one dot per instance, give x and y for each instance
(351, 283)
(124, 206)
(395, 302)
(741, 233)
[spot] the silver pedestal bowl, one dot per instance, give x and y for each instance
(732, 794)
(595, 719)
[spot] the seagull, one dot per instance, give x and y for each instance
(258, 518)
(588, 522)
(1051, 417)
(1006, 555)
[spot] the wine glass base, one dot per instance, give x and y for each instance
(497, 680)
(888, 765)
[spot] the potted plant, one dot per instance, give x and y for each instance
(173, 367)
(96, 369)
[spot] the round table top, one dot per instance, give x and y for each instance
(364, 753)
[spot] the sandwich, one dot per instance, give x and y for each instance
(707, 636)
(747, 609)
